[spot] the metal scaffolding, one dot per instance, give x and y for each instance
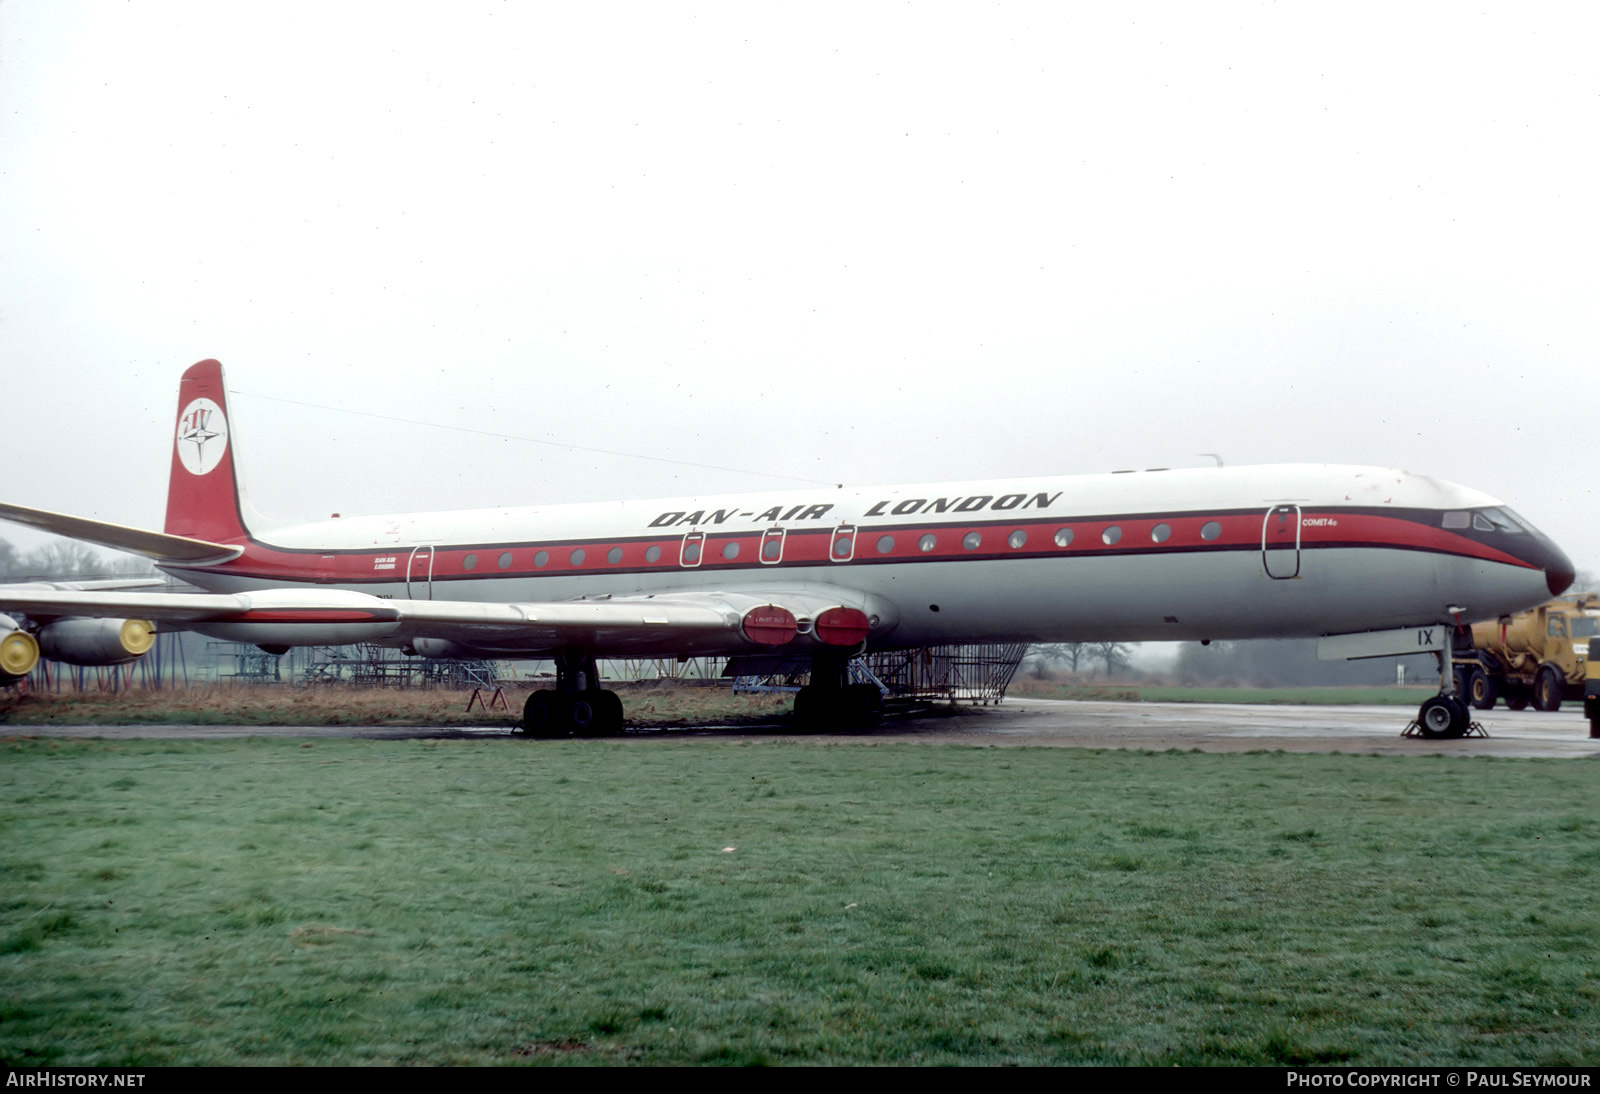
(966, 674)
(364, 666)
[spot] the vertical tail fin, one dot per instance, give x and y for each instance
(203, 498)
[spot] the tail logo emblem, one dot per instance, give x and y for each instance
(202, 436)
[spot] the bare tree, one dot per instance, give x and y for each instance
(1045, 657)
(65, 559)
(10, 561)
(1112, 655)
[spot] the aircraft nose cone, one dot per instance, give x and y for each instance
(1559, 576)
(1559, 572)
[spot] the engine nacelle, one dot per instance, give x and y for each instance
(19, 652)
(437, 647)
(96, 641)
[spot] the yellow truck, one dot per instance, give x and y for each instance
(1536, 656)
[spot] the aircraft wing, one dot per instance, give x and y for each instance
(681, 623)
(121, 537)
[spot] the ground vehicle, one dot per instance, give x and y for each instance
(1538, 655)
(1591, 688)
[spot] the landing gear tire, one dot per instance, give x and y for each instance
(1443, 717)
(854, 706)
(813, 707)
(541, 715)
(608, 714)
(1483, 690)
(862, 706)
(581, 716)
(1547, 690)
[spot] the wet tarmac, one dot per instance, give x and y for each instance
(1209, 727)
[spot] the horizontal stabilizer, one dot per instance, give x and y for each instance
(137, 541)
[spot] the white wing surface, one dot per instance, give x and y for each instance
(681, 623)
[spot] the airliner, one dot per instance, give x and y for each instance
(818, 575)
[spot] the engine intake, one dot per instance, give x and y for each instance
(19, 652)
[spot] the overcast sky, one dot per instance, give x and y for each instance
(856, 242)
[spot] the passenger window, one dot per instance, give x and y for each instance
(1111, 535)
(469, 562)
(576, 557)
(1160, 533)
(731, 551)
(885, 544)
(504, 562)
(1018, 538)
(652, 553)
(926, 543)
(614, 555)
(542, 559)
(1063, 537)
(971, 540)
(1210, 530)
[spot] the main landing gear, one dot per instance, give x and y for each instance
(577, 707)
(832, 701)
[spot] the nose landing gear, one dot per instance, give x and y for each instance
(1445, 716)
(1442, 717)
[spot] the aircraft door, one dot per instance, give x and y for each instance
(1280, 542)
(419, 574)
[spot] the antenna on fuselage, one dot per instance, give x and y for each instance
(1213, 455)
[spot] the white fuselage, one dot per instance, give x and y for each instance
(1187, 554)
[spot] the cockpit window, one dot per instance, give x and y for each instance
(1498, 520)
(1458, 519)
(1517, 522)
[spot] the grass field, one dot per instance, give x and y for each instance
(701, 901)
